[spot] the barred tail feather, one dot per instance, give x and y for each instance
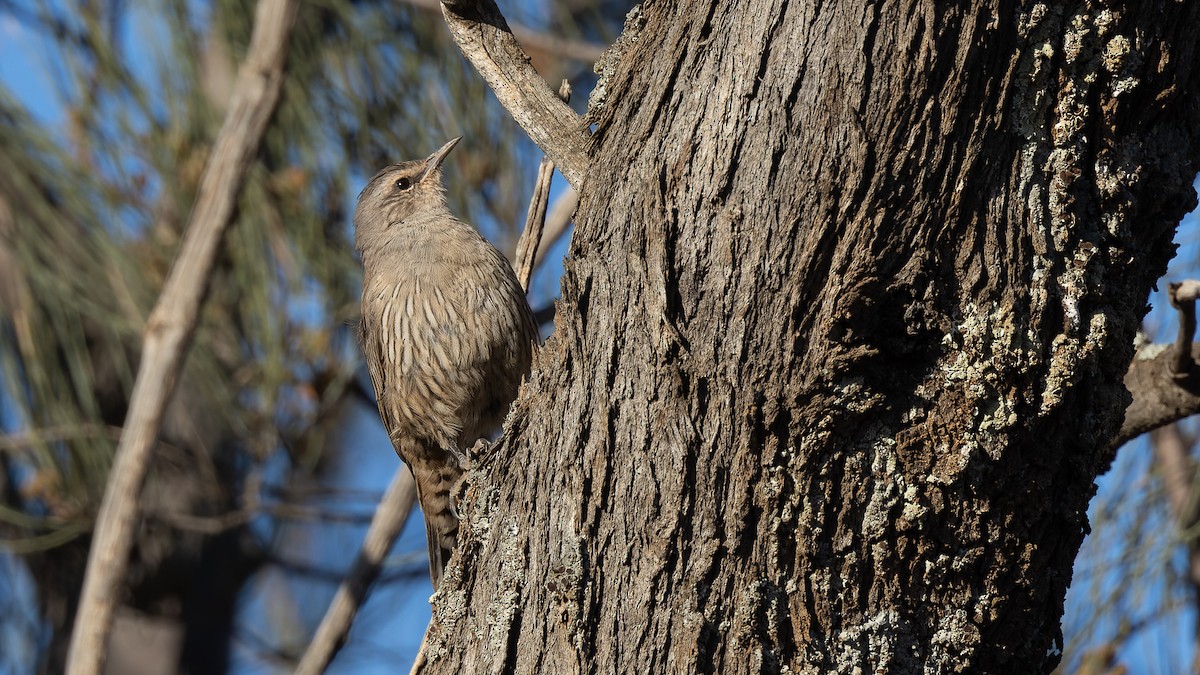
(438, 557)
(434, 485)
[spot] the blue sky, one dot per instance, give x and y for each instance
(25, 73)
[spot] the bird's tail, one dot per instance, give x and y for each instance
(435, 482)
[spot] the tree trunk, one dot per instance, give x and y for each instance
(841, 344)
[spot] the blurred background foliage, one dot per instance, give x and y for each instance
(246, 477)
(270, 459)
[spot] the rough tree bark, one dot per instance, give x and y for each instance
(840, 351)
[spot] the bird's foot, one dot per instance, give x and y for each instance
(477, 452)
(459, 494)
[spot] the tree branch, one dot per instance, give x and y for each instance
(389, 521)
(1163, 379)
(535, 221)
(485, 39)
(172, 323)
(1158, 397)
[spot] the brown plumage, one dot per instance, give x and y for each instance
(445, 329)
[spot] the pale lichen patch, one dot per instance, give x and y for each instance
(502, 611)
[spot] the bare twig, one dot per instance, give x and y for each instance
(172, 323)
(389, 521)
(419, 661)
(535, 220)
(557, 220)
(485, 39)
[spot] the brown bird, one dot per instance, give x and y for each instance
(445, 329)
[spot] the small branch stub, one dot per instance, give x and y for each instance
(1183, 296)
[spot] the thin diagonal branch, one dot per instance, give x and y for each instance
(385, 528)
(485, 39)
(535, 221)
(171, 324)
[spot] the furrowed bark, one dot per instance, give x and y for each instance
(840, 351)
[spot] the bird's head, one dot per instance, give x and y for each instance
(401, 192)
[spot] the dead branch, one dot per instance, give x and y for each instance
(486, 40)
(1183, 298)
(558, 219)
(172, 323)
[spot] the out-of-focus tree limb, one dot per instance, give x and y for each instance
(172, 323)
(385, 527)
(1178, 470)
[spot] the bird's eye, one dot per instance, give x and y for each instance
(403, 183)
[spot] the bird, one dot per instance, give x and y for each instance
(445, 329)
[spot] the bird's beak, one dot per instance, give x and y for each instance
(435, 160)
